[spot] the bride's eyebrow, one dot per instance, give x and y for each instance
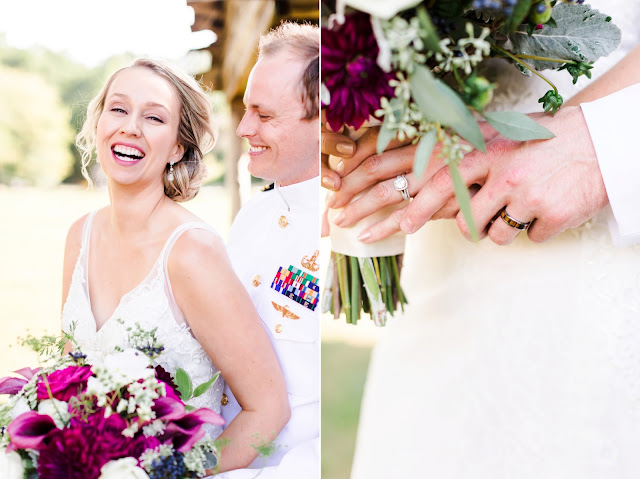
(149, 103)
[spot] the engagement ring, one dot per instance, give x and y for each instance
(402, 185)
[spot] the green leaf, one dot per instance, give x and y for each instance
(183, 381)
(204, 387)
(464, 199)
(385, 135)
(431, 39)
(439, 103)
(517, 126)
(423, 152)
(520, 12)
(582, 35)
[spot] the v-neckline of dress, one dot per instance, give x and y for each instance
(128, 293)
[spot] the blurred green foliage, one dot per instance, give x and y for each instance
(44, 96)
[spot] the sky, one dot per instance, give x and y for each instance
(89, 31)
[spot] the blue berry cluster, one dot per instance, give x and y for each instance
(579, 2)
(171, 467)
(78, 357)
(151, 351)
(497, 6)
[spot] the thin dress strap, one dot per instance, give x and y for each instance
(173, 238)
(84, 249)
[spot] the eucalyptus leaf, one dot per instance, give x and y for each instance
(582, 35)
(385, 135)
(183, 381)
(520, 12)
(204, 387)
(517, 126)
(423, 152)
(464, 200)
(439, 103)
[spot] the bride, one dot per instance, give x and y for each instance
(145, 259)
(511, 362)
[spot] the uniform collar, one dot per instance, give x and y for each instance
(299, 193)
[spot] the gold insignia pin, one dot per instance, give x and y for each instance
(256, 281)
(283, 222)
(225, 400)
(310, 263)
(285, 311)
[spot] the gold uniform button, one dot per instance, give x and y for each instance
(278, 328)
(283, 222)
(225, 400)
(256, 281)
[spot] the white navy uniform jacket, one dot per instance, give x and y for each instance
(273, 246)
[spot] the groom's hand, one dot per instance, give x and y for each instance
(555, 182)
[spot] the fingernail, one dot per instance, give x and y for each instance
(406, 225)
(328, 183)
(364, 236)
(331, 199)
(339, 219)
(340, 168)
(345, 148)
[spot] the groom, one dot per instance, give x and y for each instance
(274, 240)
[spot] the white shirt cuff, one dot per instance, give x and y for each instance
(613, 126)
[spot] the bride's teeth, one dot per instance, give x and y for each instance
(256, 149)
(128, 153)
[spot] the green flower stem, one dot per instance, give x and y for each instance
(355, 289)
(460, 82)
(396, 279)
(371, 284)
(341, 266)
(544, 59)
(507, 53)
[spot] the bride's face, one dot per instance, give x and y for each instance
(137, 133)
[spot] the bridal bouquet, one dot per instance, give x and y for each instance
(109, 416)
(412, 67)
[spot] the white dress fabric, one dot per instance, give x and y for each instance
(511, 362)
(152, 305)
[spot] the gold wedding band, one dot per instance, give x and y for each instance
(511, 221)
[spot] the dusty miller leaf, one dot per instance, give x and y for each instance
(582, 35)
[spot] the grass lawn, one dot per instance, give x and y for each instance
(344, 369)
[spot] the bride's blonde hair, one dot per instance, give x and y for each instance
(195, 131)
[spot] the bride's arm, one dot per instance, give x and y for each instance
(71, 252)
(223, 319)
(623, 74)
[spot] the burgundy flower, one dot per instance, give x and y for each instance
(351, 73)
(163, 376)
(80, 451)
(183, 433)
(29, 430)
(142, 443)
(65, 383)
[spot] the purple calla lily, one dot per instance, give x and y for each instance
(28, 430)
(9, 385)
(186, 431)
(168, 409)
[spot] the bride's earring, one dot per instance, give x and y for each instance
(170, 176)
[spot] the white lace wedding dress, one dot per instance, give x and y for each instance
(512, 362)
(151, 304)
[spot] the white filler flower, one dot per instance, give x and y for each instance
(126, 468)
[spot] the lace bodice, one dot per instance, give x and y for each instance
(151, 304)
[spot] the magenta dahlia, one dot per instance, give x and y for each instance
(65, 383)
(351, 73)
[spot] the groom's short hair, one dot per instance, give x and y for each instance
(304, 41)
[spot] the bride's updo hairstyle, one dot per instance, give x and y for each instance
(195, 131)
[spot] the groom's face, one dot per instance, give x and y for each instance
(283, 145)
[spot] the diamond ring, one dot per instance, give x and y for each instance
(402, 185)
